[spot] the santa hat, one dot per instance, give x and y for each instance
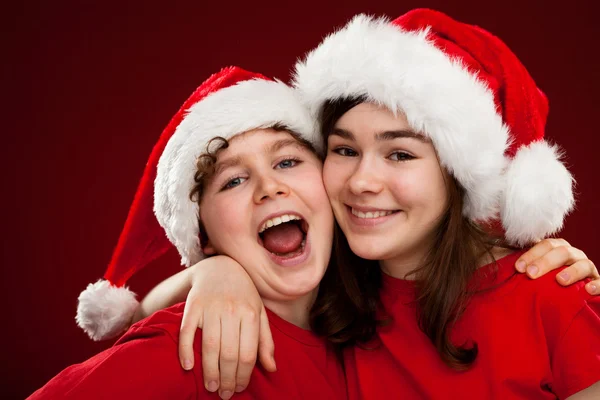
(464, 89)
(230, 102)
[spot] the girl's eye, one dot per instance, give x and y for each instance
(233, 183)
(345, 152)
(400, 156)
(288, 163)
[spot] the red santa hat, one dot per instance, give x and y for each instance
(228, 103)
(464, 89)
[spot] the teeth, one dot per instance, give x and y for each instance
(278, 221)
(371, 214)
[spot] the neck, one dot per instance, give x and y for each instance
(402, 266)
(295, 311)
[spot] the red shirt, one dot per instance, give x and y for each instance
(537, 340)
(144, 364)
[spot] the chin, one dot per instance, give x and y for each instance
(367, 248)
(300, 286)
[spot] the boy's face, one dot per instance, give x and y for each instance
(266, 207)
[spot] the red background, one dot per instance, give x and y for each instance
(88, 88)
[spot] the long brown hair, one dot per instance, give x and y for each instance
(441, 281)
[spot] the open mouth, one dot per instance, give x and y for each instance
(284, 236)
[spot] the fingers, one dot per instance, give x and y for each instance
(537, 251)
(578, 271)
(248, 349)
(211, 346)
(593, 287)
(192, 320)
(555, 258)
(266, 346)
(228, 361)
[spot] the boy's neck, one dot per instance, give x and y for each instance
(296, 311)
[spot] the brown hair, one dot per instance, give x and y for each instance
(441, 281)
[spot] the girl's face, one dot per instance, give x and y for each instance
(386, 186)
(266, 207)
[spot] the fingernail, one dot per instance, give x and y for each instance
(593, 288)
(212, 386)
(239, 388)
(226, 395)
(532, 270)
(187, 364)
(521, 265)
(564, 276)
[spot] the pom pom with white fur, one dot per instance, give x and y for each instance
(538, 194)
(104, 310)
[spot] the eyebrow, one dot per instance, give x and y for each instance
(280, 144)
(228, 163)
(383, 136)
(391, 135)
(238, 160)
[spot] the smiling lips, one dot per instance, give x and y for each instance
(370, 214)
(369, 217)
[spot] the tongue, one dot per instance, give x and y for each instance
(283, 238)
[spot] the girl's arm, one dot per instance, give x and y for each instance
(223, 301)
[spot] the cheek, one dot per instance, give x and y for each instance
(309, 185)
(422, 186)
(223, 218)
(333, 177)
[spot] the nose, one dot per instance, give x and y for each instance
(364, 179)
(270, 187)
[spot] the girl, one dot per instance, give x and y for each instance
(433, 128)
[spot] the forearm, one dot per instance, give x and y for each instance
(171, 291)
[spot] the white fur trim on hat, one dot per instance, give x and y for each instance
(248, 105)
(538, 194)
(104, 311)
(374, 58)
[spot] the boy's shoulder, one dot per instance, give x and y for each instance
(166, 322)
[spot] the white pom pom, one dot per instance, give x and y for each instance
(538, 195)
(104, 311)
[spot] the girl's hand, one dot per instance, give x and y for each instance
(225, 304)
(550, 254)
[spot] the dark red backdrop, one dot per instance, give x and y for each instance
(87, 90)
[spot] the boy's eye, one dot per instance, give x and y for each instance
(400, 156)
(287, 163)
(345, 152)
(234, 182)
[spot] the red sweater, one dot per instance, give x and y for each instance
(144, 364)
(537, 340)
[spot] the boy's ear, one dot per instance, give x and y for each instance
(207, 248)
